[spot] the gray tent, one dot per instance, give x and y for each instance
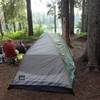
(47, 66)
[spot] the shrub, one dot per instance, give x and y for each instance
(38, 30)
(82, 34)
(15, 35)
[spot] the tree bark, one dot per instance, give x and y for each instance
(93, 38)
(14, 26)
(71, 2)
(55, 25)
(29, 17)
(84, 16)
(65, 28)
(65, 20)
(1, 29)
(20, 26)
(93, 33)
(7, 27)
(5, 17)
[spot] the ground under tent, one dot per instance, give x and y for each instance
(47, 66)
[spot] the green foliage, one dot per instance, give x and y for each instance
(18, 35)
(82, 34)
(15, 35)
(78, 3)
(13, 11)
(38, 30)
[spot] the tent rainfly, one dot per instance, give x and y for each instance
(47, 66)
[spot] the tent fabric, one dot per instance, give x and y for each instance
(66, 55)
(47, 65)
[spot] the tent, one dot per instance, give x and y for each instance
(47, 66)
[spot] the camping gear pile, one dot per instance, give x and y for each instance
(10, 53)
(47, 66)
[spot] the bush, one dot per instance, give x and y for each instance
(82, 34)
(38, 30)
(16, 35)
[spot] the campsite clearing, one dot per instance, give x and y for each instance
(87, 84)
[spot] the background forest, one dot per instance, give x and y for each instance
(45, 17)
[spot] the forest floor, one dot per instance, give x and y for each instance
(87, 84)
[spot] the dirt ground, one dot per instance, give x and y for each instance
(87, 84)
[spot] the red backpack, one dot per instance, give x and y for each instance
(9, 49)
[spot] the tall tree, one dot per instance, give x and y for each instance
(92, 51)
(29, 17)
(65, 20)
(71, 14)
(1, 31)
(55, 18)
(53, 11)
(93, 46)
(21, 13)
(12, 9)
(84, 16)
(4, 5)
(1, 19)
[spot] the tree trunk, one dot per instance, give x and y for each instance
(65, 20)
(20, 26)
(71, 2)
(65, 28)
(5, 17)
(94, 33)
(7, 27)
(55, 25)
(29, 17)
(1, 29)
(14, 27)
(84, 16)
(6, 23)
